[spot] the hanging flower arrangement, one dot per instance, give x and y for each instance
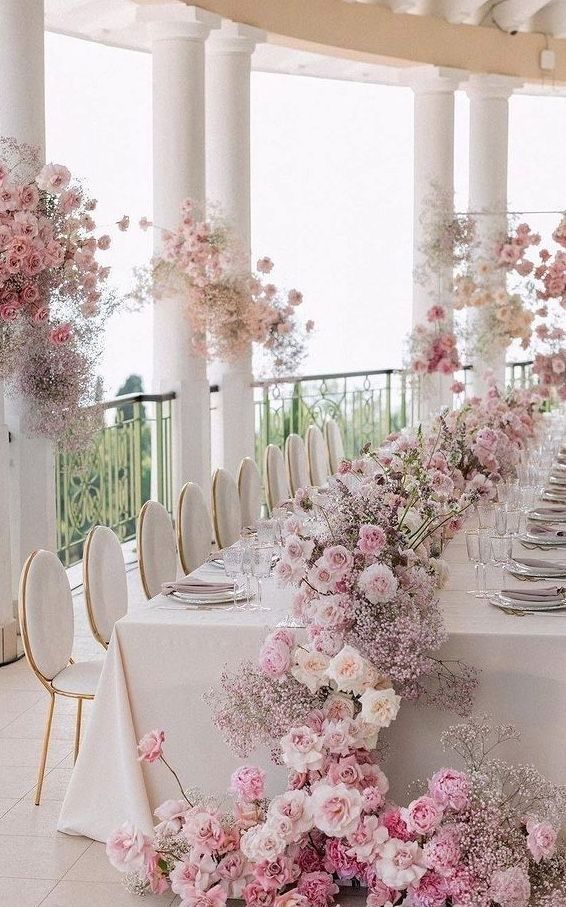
(433, 347)
(54, 303)
(228, 307)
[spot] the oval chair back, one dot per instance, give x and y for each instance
(194, 528)
(334, 444)
(296, 463)
(46, 615)
(105, 582)
(249, 489)
(157, 549)
(316, 453)
(276, 484)
(226, 512)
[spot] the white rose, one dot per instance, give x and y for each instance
(380, 707)
(378, 583)
(401, 863)
(301, 749)
(347, 669)
(262, 843)
(310, 668)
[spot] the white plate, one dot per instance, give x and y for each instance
(521, 570)
(544, 541)
(547, 517)
(221, 598)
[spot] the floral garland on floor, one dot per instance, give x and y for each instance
(54, 304)
(364, 557)
(227, 306)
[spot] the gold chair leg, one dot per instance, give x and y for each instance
(78, 727)
(46, 737)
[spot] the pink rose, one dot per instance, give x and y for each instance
(195, 897)
(301, 749)
(264, 265)
(346, 771)
(373, 799)
(319, 888)
(128, 849)
(29, 197)
(246, 815)
(53, 178)
(365, 842)
(204, 831)
(294, 297)
(423, 815)
(172, 815)
(41, 314)
(248, 782)
(339, 860)
(276, 873)
(336, 809)
(292, 898)
(69, 200)
(338, 559)
(510, 887)
(541, 839)
(104, 242)
(372, 539)
(450, 789)
(400, 863)
(255, 895)
(150, 746)
(8, 312)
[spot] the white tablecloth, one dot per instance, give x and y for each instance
(161, 660)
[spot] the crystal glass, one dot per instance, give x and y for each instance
(513, 521)
(261, 558)
(267, 531)
(473, 549)
(500, 522)
(233, 558)
(486, 515)
(501, 554)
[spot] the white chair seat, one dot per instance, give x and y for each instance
(80, 679)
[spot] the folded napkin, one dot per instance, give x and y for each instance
(547, 530)
(547, 594)
(192, 585)
(540, 564)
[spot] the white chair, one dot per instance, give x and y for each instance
(249, 489)
(316, 454)
(157, 549)
(194, 528)
(105, 582)
(276, 485)
(334, 444)
(296, 463)
(226, 512)
(47, 626)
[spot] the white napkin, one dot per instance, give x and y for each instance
(191, 585)
(550, 594)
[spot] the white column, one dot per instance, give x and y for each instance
(228, 67)
(178, 34)
(489, 136)
(30, 475)
(433, 173)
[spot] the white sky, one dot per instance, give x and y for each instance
(331, 191)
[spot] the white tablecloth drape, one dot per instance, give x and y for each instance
(161, 660)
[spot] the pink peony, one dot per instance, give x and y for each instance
(275, 658)
(319, 888)
(431, 891)
(336, 809)
(128, 849)
(442, 852)
(248, 782)
(510, 887)
(541, 839)
(150, 746)
(450, 789)
(423, 815)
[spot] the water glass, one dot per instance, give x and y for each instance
(513, 521)
(500, 523)
(486, 515)
(233, 558)
(473, 549)
(261, 558)
(501, 554)
(266, 532)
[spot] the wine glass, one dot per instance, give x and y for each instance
(261, 559)
(473, 549)
(266, 532)
(501, 552)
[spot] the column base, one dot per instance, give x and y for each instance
(9, 643)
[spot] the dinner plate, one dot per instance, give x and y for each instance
(544, 541)
(221, 598)
(522, 570)
(553, 497)
(557, 480)
(538, 517)
(525, 606)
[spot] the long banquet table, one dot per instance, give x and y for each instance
(162, 659)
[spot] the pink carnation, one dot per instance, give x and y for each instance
(318, 887)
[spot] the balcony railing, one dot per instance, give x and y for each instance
(367, 405)
(127, 462)
(129, 459)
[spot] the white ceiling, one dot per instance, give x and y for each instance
(114, 22)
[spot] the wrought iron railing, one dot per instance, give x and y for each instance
(127, 462)
(366, 405)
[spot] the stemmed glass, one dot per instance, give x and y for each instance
(473, 549)
(261, 559)
(501, 552)
(486, 515)
(233, 558)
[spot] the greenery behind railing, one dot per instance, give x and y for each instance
(127, 462)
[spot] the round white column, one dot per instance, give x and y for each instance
(27, 471)
(433, 173)
(489, 139)
(228, 66)
(178, 34)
